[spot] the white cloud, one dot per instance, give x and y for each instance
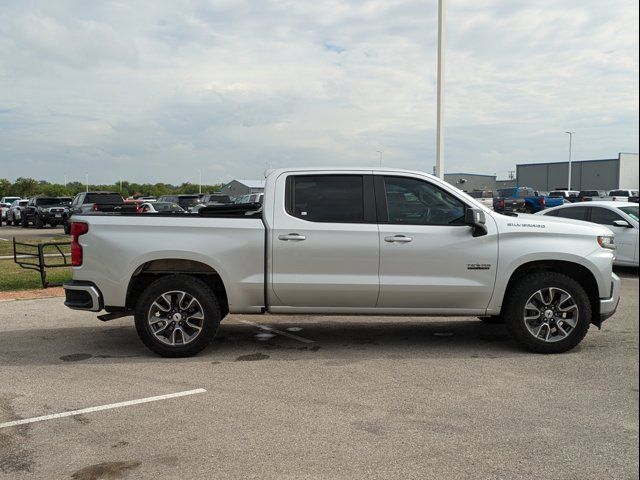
(154, 91)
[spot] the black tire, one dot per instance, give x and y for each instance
(492, 320)
(25, 222)
(39, 223)
(193, 287)
(67, 228)
(523, 290)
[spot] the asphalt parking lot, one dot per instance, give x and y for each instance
(322, 397)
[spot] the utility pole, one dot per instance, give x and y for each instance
(65, 181)
(380, 152)
(440, 115)
(86, 181)
(570, 152)
(200, 182)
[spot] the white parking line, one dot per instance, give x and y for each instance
(101, 407)
(279, 332)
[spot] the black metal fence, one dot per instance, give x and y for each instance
(40, 257)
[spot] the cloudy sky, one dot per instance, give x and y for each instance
(156, 90)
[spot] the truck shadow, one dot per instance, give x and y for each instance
(626, 272)
(328, 340)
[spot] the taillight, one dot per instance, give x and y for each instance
(77, 229)
(501, 204)
(541, 201)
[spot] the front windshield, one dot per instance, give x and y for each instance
(631, 211)
(48, 201)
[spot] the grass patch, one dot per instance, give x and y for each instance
(6, 248)
(13, 277)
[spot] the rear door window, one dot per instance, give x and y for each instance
(326, 198)
(577, 213)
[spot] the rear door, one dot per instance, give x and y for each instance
(324, 242)
(428, 256)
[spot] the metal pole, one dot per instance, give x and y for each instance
(380, 152)
(86, 180)
(570, 151)
(65, 181)
(200, 181)
(440, 115)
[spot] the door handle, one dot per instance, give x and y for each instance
(292, 236)
(398, 239)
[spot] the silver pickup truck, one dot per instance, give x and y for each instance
(344, 241)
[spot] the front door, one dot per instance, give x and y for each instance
(428, 256)
(324, 242)
(625, 237)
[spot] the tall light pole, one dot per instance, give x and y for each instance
(200, 182)
(86, 181)
(440, 117)
(570, 151)
(380, 152)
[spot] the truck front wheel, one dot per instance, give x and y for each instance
(547, 312)
(177, 316)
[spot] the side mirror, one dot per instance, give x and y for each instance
(475, 218)
(621, 223)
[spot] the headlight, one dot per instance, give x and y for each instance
(606, 241)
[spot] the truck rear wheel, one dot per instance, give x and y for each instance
(177, 316)
(547, 312)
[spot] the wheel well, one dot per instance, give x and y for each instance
(577, 272)
(152, 271)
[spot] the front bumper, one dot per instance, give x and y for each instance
(80, 295)
(609, 305)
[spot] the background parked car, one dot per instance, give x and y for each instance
(5, 204)
(622, 195)
(187, 202)
(92, 202)
(523, 199)
(590, 195)
(620, 217)
(14, 212)
(41, 211)
(249, 198)
(485, 197)
(155, 207)
(212, 199)
(569, 196)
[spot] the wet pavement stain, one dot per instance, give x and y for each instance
(76, 357)
(252, 357)
(106, 470)
(81, 419)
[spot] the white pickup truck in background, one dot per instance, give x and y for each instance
(344, 241)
